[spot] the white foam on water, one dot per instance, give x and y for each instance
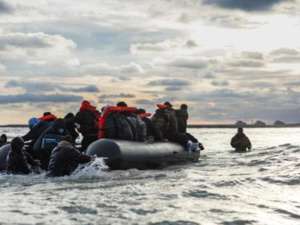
(94, 169)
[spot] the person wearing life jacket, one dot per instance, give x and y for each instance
(240, 141)
(65, 159)
(118, 126)
(87, 124)
(144, 116)
(48, 117)
(3, 140)
(138, 127)
(49, 139)
(71, 127)
(19, 161)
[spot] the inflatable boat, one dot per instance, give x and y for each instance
(122, 155)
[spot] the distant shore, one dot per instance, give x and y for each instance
(198, 126)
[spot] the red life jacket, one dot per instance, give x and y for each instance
(102, 119)
(48, 117)
(161, 106)
(144, 115)
(86, 105)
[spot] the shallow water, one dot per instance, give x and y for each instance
(258, 187)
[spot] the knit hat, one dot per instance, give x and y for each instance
(33, 122)
(168, 104)
(121, 104)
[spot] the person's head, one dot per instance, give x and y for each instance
(64, 144)
(47, 113)
(121, 104)
(184, 106)
(33, 122)
(3, 138)
(240, 130)
(17, 144)
(168, 104)
(60, 126)
(69, 115)
(140, 111)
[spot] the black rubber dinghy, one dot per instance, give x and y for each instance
(3, 155)
(122, 155)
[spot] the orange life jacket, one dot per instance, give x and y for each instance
(161, 106)
(102, 119)
(144, 115)
(48, 117)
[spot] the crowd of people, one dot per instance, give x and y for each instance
(50, 140)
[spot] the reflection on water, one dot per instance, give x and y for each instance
(258, 187)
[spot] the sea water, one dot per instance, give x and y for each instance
(224, 187)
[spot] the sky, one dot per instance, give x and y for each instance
(228, 60)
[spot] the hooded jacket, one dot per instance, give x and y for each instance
(182, 117)
(118, 127)
(160, 123)
(240, 142)
(18, 161)
(65, 159)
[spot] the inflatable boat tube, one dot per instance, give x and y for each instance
(122, 155)
(3, 155)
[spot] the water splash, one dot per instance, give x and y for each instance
(94, 169)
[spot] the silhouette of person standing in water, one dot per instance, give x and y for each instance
(240, 141)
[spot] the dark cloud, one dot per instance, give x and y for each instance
(253, 55)
(117, 96)
(46, 87)
(5, 7)
(246, 5)
(35, 98)
(209, 75)
(173, 82)
(145, 102)
(90, 89)
(175, 88)
(289, 59)
(246, 63)
(220, 83)
(293, 83)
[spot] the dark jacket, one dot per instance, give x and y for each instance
(160, 124)
(118, 127)
(150, 129)
(182, 117)
(138, 127)
(18, 161)
(240, 142)
(87, 122)
(36, 131)
(58, 128)
(65, 159)
(71, 126)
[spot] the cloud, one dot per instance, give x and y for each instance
(173, 88)
(173, 82)
(47, 87)
(117, 96)
(145, 102)
(251, 5)
(253, 55)
(132, 68)
(190, 62)
(285, 51)
(209, 75)
(165, 46)
(246, 63)
(220, 83)
(5, 7)
(293, 83)
(34, 41)
(34, 98)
